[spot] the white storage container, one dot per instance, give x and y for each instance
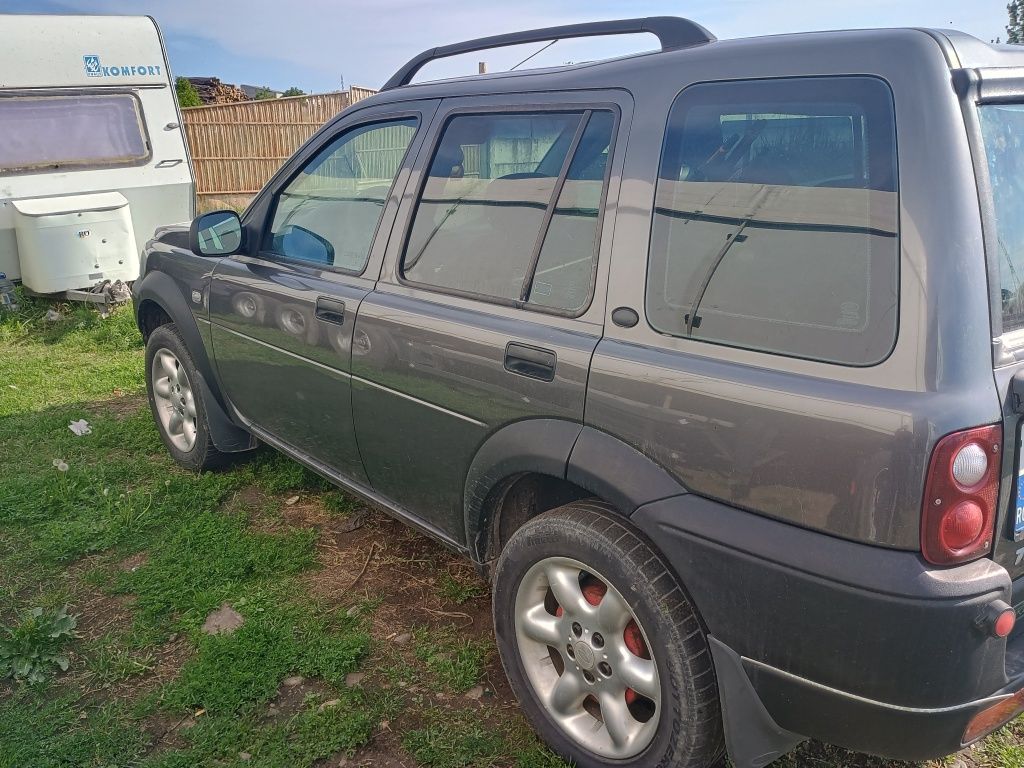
(75, 241)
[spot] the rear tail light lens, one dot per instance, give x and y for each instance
(959, 510)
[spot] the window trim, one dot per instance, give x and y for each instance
(140, 113)
(585, 110)
(264, 252)
(689, 339)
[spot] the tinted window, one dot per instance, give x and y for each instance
(328, 214)
(504, 215)
(42, 132)
(1002, 127)
(776, 214)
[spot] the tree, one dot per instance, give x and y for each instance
(1015, 29)
(293, 91)
(263, 93)
(188, 96)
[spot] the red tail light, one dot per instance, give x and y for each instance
(959, 511)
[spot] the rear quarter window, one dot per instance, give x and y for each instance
(776, 219)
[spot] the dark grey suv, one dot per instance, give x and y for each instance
(710, 358)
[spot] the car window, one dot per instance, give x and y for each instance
(1002, 126)
(50, 132)
(502, 213)
(776, 219)
(328, 214)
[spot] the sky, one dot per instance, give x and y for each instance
(321, 45)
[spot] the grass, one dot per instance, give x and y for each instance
(142, 552)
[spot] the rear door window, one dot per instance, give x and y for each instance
(511, 206)
(776, 219)
(53, 132)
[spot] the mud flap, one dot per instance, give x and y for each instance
(752, 737)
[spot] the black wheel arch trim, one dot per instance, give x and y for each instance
(618, 473)
(601, 464)
(534, 445)
(160, 289)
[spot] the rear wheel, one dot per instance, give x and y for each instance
(601, 645)
(176, 400)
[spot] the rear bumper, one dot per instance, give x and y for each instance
(866, 648)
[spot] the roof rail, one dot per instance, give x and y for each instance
(673, 32)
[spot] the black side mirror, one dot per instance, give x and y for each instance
(218, 233)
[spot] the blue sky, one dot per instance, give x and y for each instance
(313, 44)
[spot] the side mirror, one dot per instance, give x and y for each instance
(218, 233)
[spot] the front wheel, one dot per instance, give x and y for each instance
(176, 400)
(603, 649)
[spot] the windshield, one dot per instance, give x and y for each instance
(1002, 126)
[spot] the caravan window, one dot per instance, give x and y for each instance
(49, 132)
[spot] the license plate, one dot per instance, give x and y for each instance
(1018, 513)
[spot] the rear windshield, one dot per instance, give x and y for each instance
(50, 132)
(1003, 128)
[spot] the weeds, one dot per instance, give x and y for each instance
(32, 649)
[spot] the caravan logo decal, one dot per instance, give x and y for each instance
(93, 68)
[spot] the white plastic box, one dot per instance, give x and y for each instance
(75, 241)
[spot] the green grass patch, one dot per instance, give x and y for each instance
(460, 589)
(51, 732)
(455, 663)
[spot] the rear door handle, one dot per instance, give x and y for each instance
(532, 362)
(330, 310)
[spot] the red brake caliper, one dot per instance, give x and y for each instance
(594, 591)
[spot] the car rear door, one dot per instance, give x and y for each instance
(489, 306)
(283, 312)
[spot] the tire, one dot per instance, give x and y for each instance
(672, 718)
(176, 401)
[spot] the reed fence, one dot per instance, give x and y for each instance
(236, 148)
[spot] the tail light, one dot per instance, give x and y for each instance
(959, 511)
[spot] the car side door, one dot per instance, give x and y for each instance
(491, 299)
(282, 312)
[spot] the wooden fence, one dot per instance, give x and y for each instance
(236, 148)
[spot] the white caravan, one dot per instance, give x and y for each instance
(92, 152)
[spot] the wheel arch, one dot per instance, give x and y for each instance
(158, 301)
(531, 466)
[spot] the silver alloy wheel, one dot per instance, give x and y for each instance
(175, 401)
(573, 645)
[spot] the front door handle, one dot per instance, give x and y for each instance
(532, 362)
(330, 310)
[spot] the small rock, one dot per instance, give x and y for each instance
(355, 521)
(82, 715)
(353, 679)
(272, 712)
(327, 704)
(291, 500)
(244, 756)
(474, 694)
(353, 611)
(403, 638)
(223, 621)
(173, 637)
(294, 680)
